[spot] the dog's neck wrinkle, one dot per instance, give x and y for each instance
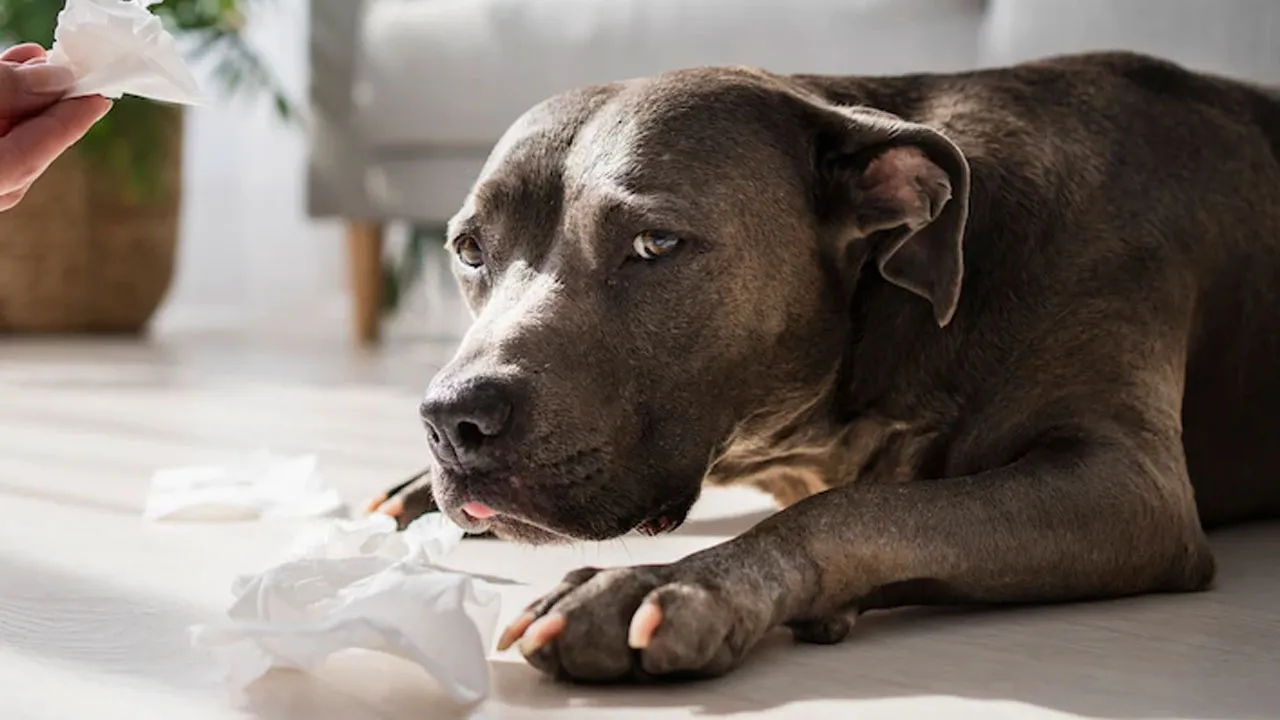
(867, 423)
(871, 421)
(792, 454)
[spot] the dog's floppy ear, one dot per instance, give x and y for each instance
(905, 188)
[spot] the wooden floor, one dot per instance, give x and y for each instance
(94, 602)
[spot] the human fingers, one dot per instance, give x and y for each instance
(25, 52)
(35, 143)
(10, 200)
(28, 89)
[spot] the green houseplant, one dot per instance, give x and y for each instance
(107, 212)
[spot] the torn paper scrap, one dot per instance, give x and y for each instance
(429, 539)
(262, 485)
(118, 47)
(362, 586)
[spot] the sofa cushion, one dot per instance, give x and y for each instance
(1233, 37)
(456, 73)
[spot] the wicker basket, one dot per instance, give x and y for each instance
(78, 255)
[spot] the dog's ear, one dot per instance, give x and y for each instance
(903, 188)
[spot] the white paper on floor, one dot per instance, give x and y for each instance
(118, 47)
(261, 485)
(362, 585)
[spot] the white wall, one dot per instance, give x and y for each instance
(248, 255)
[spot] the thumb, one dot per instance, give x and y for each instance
(30, 88)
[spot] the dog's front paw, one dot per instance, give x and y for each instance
(405, 502)
(662, 621)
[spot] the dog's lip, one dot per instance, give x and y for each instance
(478, 511)
(465, 515)
(667, 519)
(468, 523)
(501, 513)
(501, 520)
(478, 516)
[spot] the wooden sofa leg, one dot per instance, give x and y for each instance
(364, 261)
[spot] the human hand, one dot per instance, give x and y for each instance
(36, 124)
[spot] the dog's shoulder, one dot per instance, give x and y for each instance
(1050, 92)
(1051, 131)
(1145, 77)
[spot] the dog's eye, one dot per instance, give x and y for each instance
(468, 250)
(653, 244)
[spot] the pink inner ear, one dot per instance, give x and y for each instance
(902, 182)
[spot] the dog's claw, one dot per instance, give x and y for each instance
(644, 623)
(392, 502)
(374, 503)
(393, 507)
(515, 631)
(542, 631)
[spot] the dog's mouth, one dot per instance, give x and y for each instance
(480, 519)
(475, 517)
(671, 516)
(505, 518)
(657, 526)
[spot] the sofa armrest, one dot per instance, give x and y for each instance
(1230, 37)
(336, 167)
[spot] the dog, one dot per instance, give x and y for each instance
(995, 337)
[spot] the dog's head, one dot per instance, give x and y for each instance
(651, 264)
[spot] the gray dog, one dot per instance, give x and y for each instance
(1007, 336)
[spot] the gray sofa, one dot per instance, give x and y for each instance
(409, 95)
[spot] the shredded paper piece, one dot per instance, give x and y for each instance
(118, 47)
(261, 486)
(361, 584)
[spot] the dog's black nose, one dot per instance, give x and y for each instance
(464, 420)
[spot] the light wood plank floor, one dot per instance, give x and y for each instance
(94, 602)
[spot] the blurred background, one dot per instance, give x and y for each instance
(190, 285)
(307, 199)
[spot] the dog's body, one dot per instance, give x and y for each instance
(1054, 410)
(1112, 195)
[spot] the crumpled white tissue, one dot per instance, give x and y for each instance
(262, 485)
(362, 585)
(118, 47)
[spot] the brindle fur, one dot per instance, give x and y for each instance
(1104, 390)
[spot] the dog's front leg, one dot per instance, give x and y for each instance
(1067, 522)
